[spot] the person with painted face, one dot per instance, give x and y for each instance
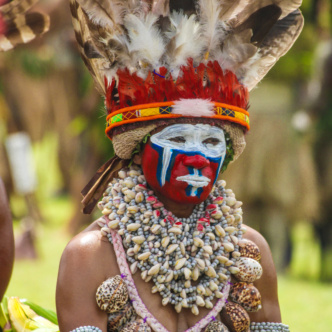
(171, 252)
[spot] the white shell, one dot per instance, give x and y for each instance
(179, 263)
(165, 301)
(165, 241)
(133, 227)
(200, 290)
(249, 269)
(222, 259)
(208, 304)
(155, 229)
(113, 224)
(230, 229)
(144, 256)
(195, 274)
(200, 263)
(169, 276)
(216, 214)
(138, 239)
(225, 208)
(171, 248)
(220, 231)
(228, 246)
(187, 273)
(154, 270)
(194, 310)
(199, 301)
(130, 194)
(211, 272)
(198, 242)
(175, 230)
(208, 249)
(178, 307)
(222, 276)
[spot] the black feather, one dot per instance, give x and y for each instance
(260, 22)
(187, 6)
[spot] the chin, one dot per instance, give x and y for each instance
(182, 197)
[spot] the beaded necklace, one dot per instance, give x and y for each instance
(189, 260)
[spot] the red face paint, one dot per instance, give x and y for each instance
(182, 164)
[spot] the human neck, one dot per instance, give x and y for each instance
(180, 210)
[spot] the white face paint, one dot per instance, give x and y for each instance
(200, 140)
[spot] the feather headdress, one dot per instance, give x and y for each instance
(18, 25)
(149, 56)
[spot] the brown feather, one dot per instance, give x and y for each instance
(276, 43)
(22, 28)
(14, 8)
(260, 22)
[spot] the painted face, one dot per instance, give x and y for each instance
(183, 161)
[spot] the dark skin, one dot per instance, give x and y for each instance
(89, 259)
(6, 241)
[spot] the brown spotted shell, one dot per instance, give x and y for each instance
(118, 319)
(235, 317)
(247, 295)
(216, 326)
(249, 249)
(136, 326)
(249, 269)
(112, 295)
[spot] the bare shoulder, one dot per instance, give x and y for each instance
(267, 284)
(86, 262)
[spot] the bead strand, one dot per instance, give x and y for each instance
(268, 326)
(87, 328)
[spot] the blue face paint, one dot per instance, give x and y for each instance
(164, 169)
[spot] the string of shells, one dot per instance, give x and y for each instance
(190, 259)
(244, 297)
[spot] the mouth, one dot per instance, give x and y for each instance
(195, 180)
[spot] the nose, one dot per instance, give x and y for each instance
(196, 161)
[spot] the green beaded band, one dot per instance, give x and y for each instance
(268, 327)
(87, 329)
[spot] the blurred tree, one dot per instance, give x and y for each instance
(320, 108)
(277, 175)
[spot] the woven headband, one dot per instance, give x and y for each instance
(164, 110)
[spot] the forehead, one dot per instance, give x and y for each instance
(193, 130)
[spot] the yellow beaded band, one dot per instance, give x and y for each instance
(164, 110)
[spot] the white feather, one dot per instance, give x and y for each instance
(213, 29)
(145, 40)
(254, 69)
(103, 13)
(186, 38)
(193, 107)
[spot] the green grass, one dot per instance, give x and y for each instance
(306, 306)
(36, 279)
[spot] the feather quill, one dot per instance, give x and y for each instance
(213, 29)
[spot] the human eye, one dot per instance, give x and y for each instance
(211, 141)
(177, 139)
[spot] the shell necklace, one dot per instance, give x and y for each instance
(190, 260)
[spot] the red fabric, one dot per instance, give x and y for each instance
(205, 81)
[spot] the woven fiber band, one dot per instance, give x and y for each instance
(164, 110)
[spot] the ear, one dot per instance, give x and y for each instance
(137, 159)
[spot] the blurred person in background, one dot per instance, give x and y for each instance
(6, 241)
